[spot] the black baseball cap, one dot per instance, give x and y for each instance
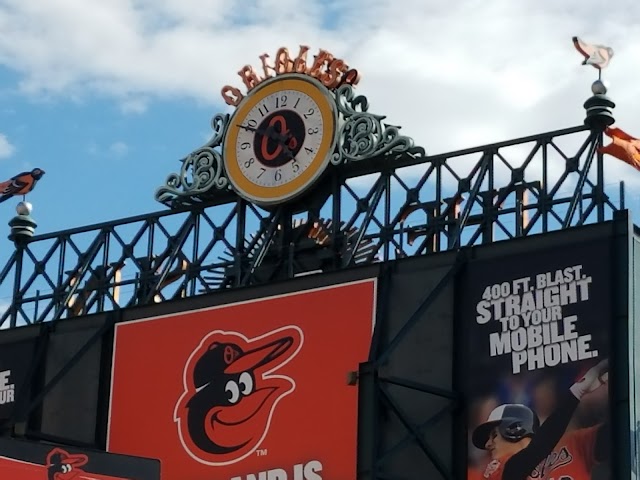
(230, 358)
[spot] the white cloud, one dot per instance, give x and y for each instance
(6, 148)
(92, 149)
(134, 105)
(119, 149)
(453, 76)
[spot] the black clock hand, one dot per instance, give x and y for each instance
(270, 132)
(280, 138)
(287, 151)
(284, 141)
(251, 129)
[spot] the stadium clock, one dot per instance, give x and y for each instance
(280, 139)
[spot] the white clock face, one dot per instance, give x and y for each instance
(279, 138)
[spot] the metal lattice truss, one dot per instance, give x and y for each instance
(390, 206)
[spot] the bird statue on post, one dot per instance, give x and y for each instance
(599, 106)
(20, 184)
(598, 56)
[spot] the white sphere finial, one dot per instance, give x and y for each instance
(24, 208)
(599, 87)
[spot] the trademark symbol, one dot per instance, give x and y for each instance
(262, 452)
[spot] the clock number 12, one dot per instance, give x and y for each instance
(281, 101)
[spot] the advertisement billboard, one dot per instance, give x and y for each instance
(24, 460)
(537, 330)
(15, 361)
(634, 361)
(256, 389)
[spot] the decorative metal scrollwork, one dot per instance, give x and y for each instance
(202, 170)
(362, 134)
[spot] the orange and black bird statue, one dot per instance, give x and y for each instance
(21, 184)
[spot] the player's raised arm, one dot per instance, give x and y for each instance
(516, 441)
(520, 465)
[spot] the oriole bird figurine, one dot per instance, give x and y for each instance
(598, 56)
(21, 184)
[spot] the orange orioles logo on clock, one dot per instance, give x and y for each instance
(276, 142)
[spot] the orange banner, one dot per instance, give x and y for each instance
(251, 390)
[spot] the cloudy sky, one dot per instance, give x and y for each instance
(107, 95)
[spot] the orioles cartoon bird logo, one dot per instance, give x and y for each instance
(62, 465)
(231, 392)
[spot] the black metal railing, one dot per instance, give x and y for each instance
(384, 208)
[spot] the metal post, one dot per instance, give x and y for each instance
(22, 229)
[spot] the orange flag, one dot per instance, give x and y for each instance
(623, 146)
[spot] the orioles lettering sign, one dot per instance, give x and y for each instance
(327, 69)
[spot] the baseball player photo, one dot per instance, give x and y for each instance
(537, 339)
(517, 445)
